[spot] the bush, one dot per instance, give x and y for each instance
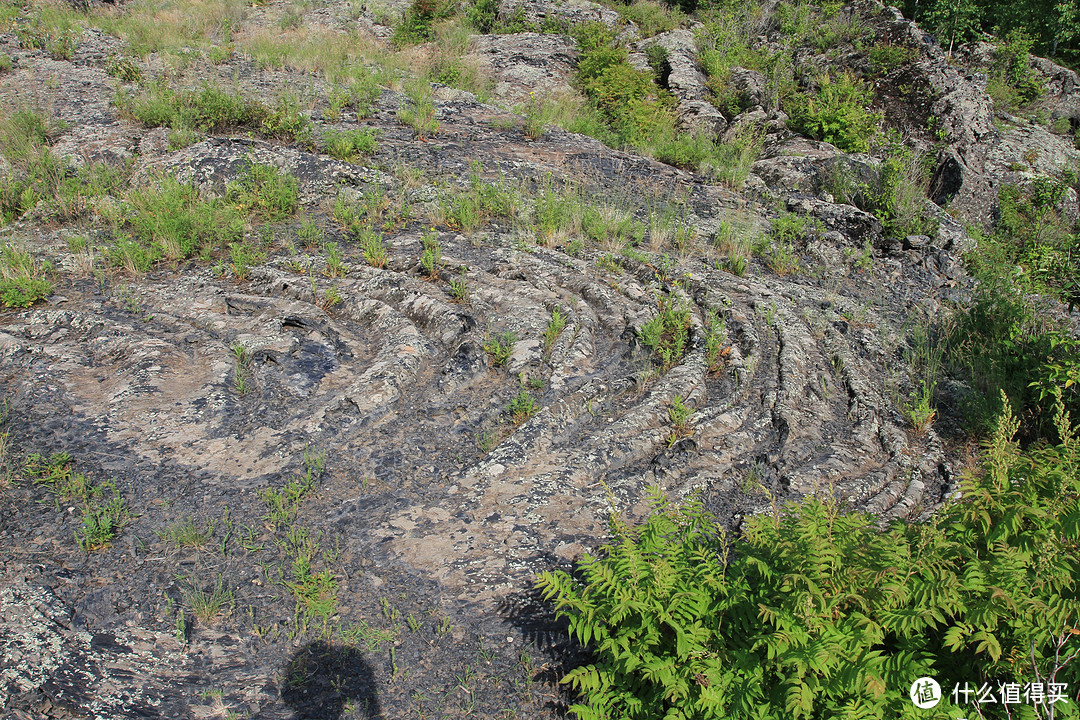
(837, 113)
(483, 15)
(1006, 340)
(1013, 83)
(897, 195)
(814, 612)
(668, 333)
(287, 121)
(416, 25)
(209, 109)
(23, 280)
(651, 17)
(350, 144)
(885, 57)
(263, 191)
(171, 221)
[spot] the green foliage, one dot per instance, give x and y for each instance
(187, 533)
(468, 209)
(651, 17)
(837, 113)
(815, 612)
(23, 280)
(679, 414)
(629, 106)
(886, 57)
(668, 333)
(953, 21)
(787, 233)
(431, 254)
(459, 288)
(210, 109)
(208, 605)
(1006, 340)
(715, 341)
(243, 257)
(731, 161)
(483, 15)
(102, 522)
(897, 195)
(123, 68)
(609, 224)
(416, 25)
(287, 121)
(41, 181)
(264, 192)
(51, 32)
(522, 407)
(104, 510)
(554, 328)
(349, 145)
(500, 347)
(1013, 83)
(372, 247)
(283, 504)
(417, 109)
(170, 220)
(1052, 28)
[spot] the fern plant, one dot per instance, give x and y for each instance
(816, 612)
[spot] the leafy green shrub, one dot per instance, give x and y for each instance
(372, 247)
(6, 63)
(483, 15)
(608, 224)
(501, 347)
(431, 254)
(102, 522)
(171, 221)
(651, 17)
(522, 407)
(468, 209)
(730, 162)
(263, 191)
(417, 109)
(723, 44)
(56, 36)
(668, 333)
(554, 328)
(23, 280)
(242, 257)
(210, 109)
(886, 57)
(1006, 339)
(631, 108)
(837, 113)
(814, 612)
(897, 195)
(41, 180)
(1013, 83)
(416, 25)
(715, 340)
(124, 69)
(679, 415)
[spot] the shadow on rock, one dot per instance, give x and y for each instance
(549, 634)
(325, 682)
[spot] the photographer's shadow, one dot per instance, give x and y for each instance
(324, 682)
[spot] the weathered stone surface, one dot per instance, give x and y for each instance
(856, 225)
(526, 63)
(568, 12)
(434, 500)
